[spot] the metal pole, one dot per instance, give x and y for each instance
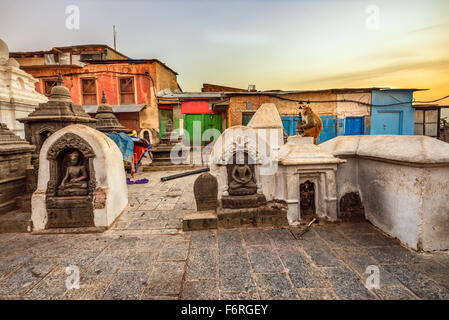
(184, 174)
(115, 41)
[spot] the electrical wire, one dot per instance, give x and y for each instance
(354, 101)
(147, 74)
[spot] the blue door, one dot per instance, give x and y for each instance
(354, 126)
(289, 123)
(390, 123)
(329, 128)
(390, 117)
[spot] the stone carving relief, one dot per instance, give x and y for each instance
(71, 185)
(307, 198)
(75, 177)
(241, 176)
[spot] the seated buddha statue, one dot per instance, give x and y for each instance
(242, 181)
(75, 178)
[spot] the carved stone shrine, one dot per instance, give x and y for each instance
(264, 182)
(169, 151)
(81, 184)
(57, 113)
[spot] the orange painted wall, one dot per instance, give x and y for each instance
(107, 76)
(107, 81)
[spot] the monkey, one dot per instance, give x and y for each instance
(311, 124)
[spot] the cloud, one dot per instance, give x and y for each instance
(382, 71)
(428, 28)
(234, 38)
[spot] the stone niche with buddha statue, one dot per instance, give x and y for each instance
(81, 183)
(240, 160)
(71, 185)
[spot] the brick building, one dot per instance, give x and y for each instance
(130, 85)
(344, 111)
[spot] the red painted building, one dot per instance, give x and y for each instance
(130, 85)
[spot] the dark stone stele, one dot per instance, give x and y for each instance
(205, 190)
(71, 186)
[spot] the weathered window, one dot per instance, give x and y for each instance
(426, 122)
(90, 56)
(89, 91)
(48, 85)
(126, 90)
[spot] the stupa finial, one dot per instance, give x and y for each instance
(103, 98)
(60, 80)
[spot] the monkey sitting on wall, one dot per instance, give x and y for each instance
(311, 124)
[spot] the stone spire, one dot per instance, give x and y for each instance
(9, 140)
(18, 95)
(59, 92)
(49, 117)
(59, 107)
(106, 119)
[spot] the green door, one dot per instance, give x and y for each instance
(203, 122)
(164, 115)
(246, 116)
(212, 121)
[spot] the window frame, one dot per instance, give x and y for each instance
(82, 80)
(133, 92)
(44, 86)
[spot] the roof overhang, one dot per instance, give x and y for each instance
(123, 108)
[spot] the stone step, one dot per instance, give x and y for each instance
(201, 220)
(16, 221)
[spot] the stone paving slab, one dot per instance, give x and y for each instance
(264, 260)
(202, 264)
(145, 255)
(200, 290)
(230, 242)
(275, 286)
(235, 274)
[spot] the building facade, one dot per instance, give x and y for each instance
(354, 111)
(130, 85)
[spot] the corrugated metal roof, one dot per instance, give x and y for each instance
(189, 95)
(117, 108)
(208, 95)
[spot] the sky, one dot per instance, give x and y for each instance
(284, 44)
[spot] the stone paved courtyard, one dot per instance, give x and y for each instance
(146, 256)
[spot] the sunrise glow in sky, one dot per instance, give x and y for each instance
(272, 44)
